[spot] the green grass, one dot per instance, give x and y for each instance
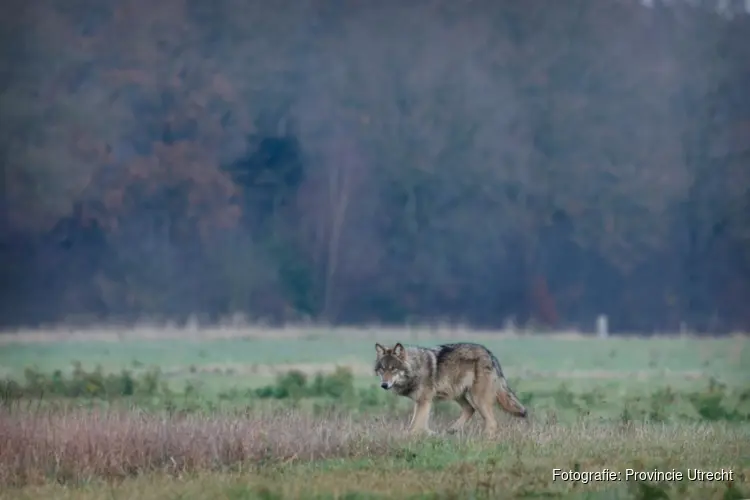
(615, 403)
(533, 353)
(584, 360)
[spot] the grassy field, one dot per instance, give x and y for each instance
(252, 413)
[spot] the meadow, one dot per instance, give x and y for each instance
(248, 412)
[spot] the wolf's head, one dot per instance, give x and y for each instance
(390, 365)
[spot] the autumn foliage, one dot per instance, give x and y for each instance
(389, 161)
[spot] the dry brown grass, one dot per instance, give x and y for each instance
(115, 333)
(75, 446)
(78, 447)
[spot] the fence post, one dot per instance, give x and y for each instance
(602, 327)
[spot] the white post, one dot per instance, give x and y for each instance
(602, 329)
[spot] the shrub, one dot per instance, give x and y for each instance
(83, 384)
(294, 385)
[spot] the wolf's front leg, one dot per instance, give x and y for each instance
(413, 415)
(420, 420)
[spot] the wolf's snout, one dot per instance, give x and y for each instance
(385, 385)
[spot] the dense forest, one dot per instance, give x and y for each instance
(359, 162)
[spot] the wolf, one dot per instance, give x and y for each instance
(465, 372)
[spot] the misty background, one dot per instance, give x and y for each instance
(359, 162)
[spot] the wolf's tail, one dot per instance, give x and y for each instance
(509, 401)
(505, 395)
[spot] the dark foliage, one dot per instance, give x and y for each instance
(418, 161)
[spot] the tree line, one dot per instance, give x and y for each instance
(358, 162)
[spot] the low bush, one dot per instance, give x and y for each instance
(336, 391)
(295, 385)
(84, 384)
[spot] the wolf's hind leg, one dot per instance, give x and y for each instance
(467, 411)
(483, 396)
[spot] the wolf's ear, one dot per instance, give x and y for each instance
(399, 351)
(380, 350)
